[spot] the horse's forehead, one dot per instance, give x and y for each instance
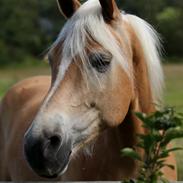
(74, 45)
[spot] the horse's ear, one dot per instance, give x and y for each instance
(110, 10)
(68, 7)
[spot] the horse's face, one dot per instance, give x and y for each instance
(91, 86)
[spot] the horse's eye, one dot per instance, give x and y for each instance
(100, 62)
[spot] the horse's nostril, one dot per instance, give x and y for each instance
(55, 140)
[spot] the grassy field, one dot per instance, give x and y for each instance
(174, 97)
(9, 76)
(173, 91)
(174, 86)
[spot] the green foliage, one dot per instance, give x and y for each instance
(29, 27)
(163, 127)
(131, 153)
(166, 16)
(143, 8)
(171, 27)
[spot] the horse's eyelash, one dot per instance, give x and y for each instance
(106, 57)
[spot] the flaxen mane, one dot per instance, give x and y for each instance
(89, 22)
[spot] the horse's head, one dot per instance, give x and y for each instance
(92, 84)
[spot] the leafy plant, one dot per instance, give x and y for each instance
(162, 127)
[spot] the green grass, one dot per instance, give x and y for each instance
(174, 85)
(13, 74)
(173, 91)
(174, 97)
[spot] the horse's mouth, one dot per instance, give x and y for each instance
(52, 175)
(79, 145)
(52, 172)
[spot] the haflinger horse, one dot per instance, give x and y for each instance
(71, 126)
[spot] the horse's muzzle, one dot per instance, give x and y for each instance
(48, 156)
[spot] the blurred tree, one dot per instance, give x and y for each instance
(166, 16)
(171, 27)
(27, 28)
(146, 9)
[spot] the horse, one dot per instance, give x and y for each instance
(71, 126)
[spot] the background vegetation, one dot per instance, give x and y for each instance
(28, 28)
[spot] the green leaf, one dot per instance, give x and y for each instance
(141, 116)
(180, 114)
(170, 166)
(165, 153)
(129, 152)
(174, 149)
(162, 127)
(160, 161)
(171, 134)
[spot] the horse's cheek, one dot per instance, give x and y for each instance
(115, 109)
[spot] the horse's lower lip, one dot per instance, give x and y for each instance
(64, 170)
(56, 174)
(50, 176)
